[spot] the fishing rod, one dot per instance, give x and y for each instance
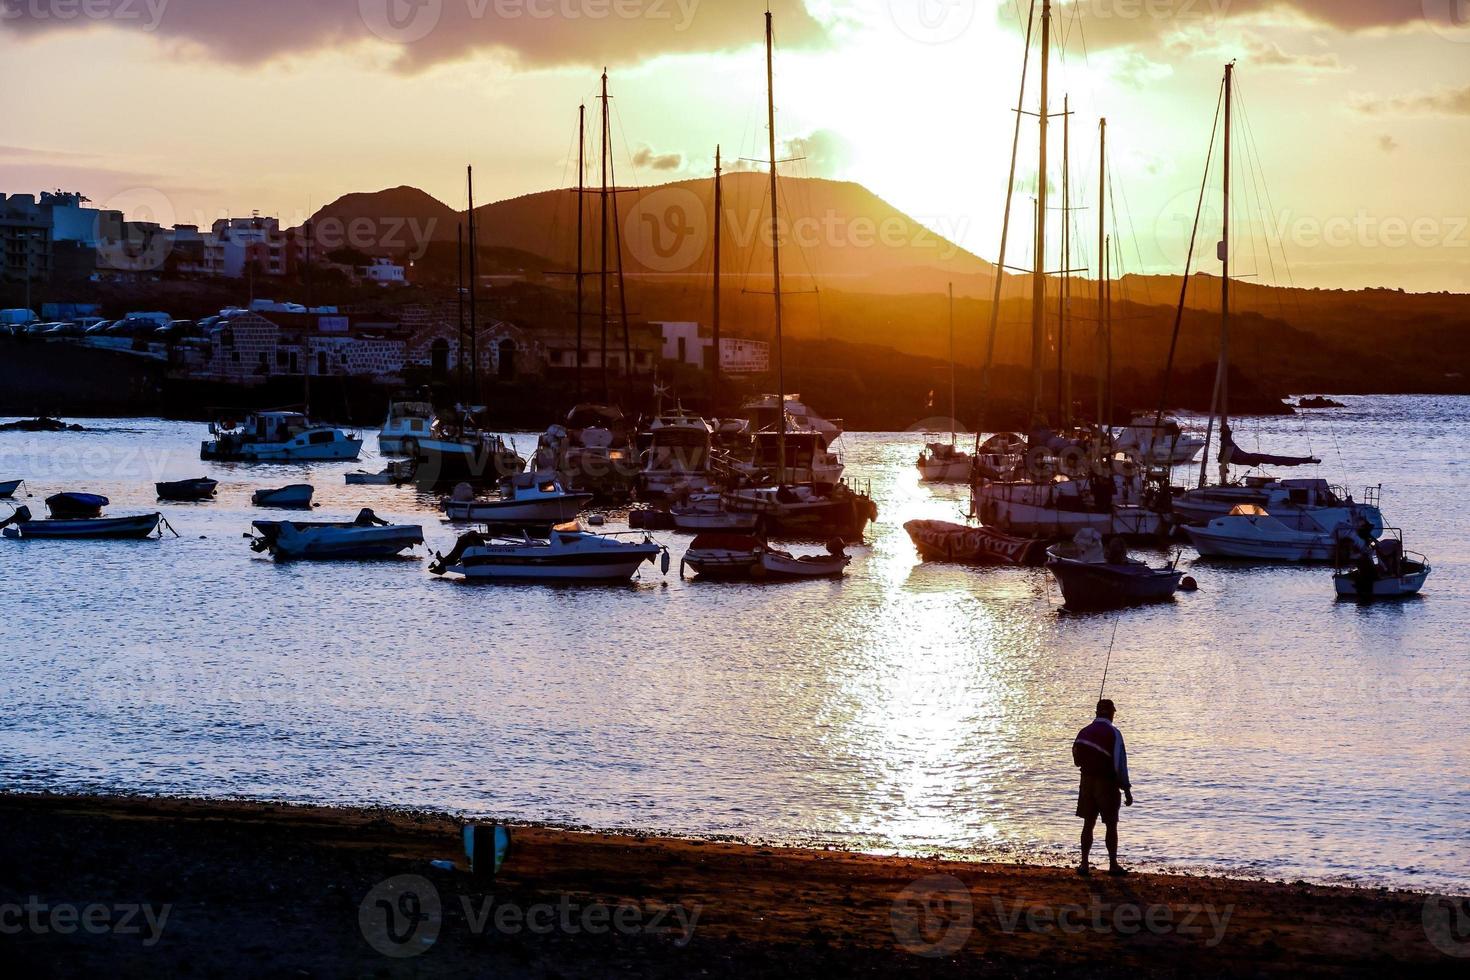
(1108, 663)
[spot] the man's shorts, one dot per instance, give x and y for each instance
(1099, 797)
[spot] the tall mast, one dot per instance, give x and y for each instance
(1064, 379)
(1108, 334)
(602, 279)
(459, 292)
(1104, 343)
(474, 276)
(719, 218)
(953, 434)
(581, 191)
(1038, 277)
(776, 256)
(1222, 380)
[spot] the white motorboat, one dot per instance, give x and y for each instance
(366, 537)
(532, 499)
(592, 450)
(1203, 505)
(277, 437)
(1380, 569)
(678, 454)
(297, 496)
(1252, 533)
(1156, 442)
(569, 555)
(406, 420)
(944, 462)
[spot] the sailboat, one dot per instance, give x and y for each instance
(1260, 516)
(942, 462)
(807, 509)
(459, 446)
(1070, 484)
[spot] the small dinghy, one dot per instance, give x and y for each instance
(1094, 578)
(187, 491)
(569, 555)
(296, 497)
(943, 541)
(703, 512)
(8, 488)
(396, 473)
(367, 537)
(20, 526)
(73, 506)
(526, 500)
(739, 556)
(1382, 569)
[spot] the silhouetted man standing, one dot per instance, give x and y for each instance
(1099, 753)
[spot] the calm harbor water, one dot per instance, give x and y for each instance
(1272, 730)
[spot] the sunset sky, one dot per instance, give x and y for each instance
(184, 110)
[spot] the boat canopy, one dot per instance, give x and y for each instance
(1236, 456)
(1248, 510)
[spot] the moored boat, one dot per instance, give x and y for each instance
(366, 537)
(944, 462)
(398, 471)
(406, 420)
(570, 554)
(1382, 569)
(297, 496)
(277, 437)
(21, 526)
(187, 491)
(964, 544)
(1094, 578)
(741, 556)
(72, 505)
(1253, 533)
(529, 499)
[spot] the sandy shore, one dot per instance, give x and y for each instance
(140, 887)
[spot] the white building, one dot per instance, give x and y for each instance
(384, 272)
(690, 343)
(739, 356)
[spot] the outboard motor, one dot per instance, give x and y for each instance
(22, 515)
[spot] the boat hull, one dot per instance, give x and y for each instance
(955, 469)
(344, 450)
(326, 542)
(187, 491)
(94, 529)
(780, 565)
(557, 510)
(1092, 586)
(286, 498)
(551, 568)
(943, 541)
(1348, 586)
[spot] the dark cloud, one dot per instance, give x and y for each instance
(428, 32)
(645, 157)
(1441, 102)
(1269, 54)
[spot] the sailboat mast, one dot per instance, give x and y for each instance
(1038, 277)
(581, 191)
(776, 255)
(459, 292)
(1103, 341)
(953, 433)
(1064, 379)
(1223, 380)
(602, 275)
(715, 316)
(474, 275)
